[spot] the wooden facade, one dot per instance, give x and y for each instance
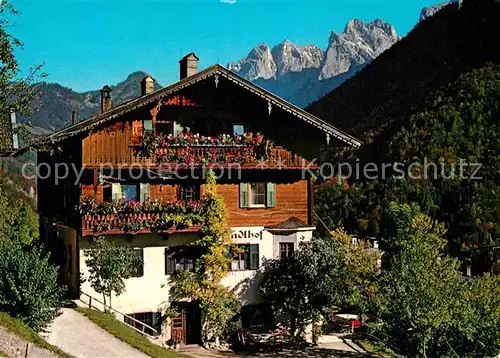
(211, 106)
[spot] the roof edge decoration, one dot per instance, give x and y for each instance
(90, 123)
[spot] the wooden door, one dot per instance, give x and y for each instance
(178, 326)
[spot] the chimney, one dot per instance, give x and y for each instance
(73, 118)
(147, 85)
(106, 103)
(188, 65)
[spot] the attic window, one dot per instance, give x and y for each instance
(238, 129)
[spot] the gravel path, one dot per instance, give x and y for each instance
(13, 346)
(76, 335)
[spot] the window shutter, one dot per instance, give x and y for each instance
(254, 256)
(229, 255)
(148, 124)
(116, 191)
(169, 261)
(243, 195)
(144, 192)
(271, 195)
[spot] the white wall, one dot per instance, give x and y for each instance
(149, 293)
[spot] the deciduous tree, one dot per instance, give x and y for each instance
(109, 264)
(321, 277)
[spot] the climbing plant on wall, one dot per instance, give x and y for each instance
(218, 303)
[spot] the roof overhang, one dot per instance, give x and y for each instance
(214, 71)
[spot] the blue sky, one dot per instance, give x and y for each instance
(88, 43)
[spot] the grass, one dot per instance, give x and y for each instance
(20, 329)
(127, 334)
(376, 349)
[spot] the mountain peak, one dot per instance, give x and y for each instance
(357, 45)
(258, 64)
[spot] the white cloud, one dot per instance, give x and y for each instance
(231, 2)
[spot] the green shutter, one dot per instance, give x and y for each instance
(243, 195)
(254, 256)
(271, 195)
(144, 192)
(229, 255)
(148, 124)
(169, 261)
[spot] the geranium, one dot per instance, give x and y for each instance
(130, 216)
(224, 148)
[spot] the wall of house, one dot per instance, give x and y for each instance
(112, 145)
(150, 293)
(292, 200)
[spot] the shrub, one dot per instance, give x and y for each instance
(28, 285)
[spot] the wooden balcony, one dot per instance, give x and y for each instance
(231, 156)
(108, 219)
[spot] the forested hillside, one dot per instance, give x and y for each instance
(436, 105)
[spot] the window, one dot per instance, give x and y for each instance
(133, 192)
(178, 321)
(238, 129)
(130, 192)
(257, 195)
(164, 127)
(152, 319)
(189, 192)
(286, 250)
(138, 263)
(179, 258)
(245, 257)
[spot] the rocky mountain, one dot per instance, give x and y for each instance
(55, 104)
(431, 10)
(302, 74)
(434, 54)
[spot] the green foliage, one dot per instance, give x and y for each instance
(19, 220)
(28, 285)
(20, 329)
(424, 306)
(16, 92)
(475, 330)
(218, 304)
(323, 276)
(126, 334)
(461, 123)
(109, 264)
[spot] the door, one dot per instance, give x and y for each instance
(178, 326)
(187, 324)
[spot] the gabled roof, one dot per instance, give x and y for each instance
(154, 97)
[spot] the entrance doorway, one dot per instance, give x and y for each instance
(187, 324)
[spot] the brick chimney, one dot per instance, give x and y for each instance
(188, 65)
(106, 103)
(73, 118)
(147, 85)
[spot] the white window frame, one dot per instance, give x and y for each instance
(250, 195)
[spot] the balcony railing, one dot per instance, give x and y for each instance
(246, 150)
(134, 217)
